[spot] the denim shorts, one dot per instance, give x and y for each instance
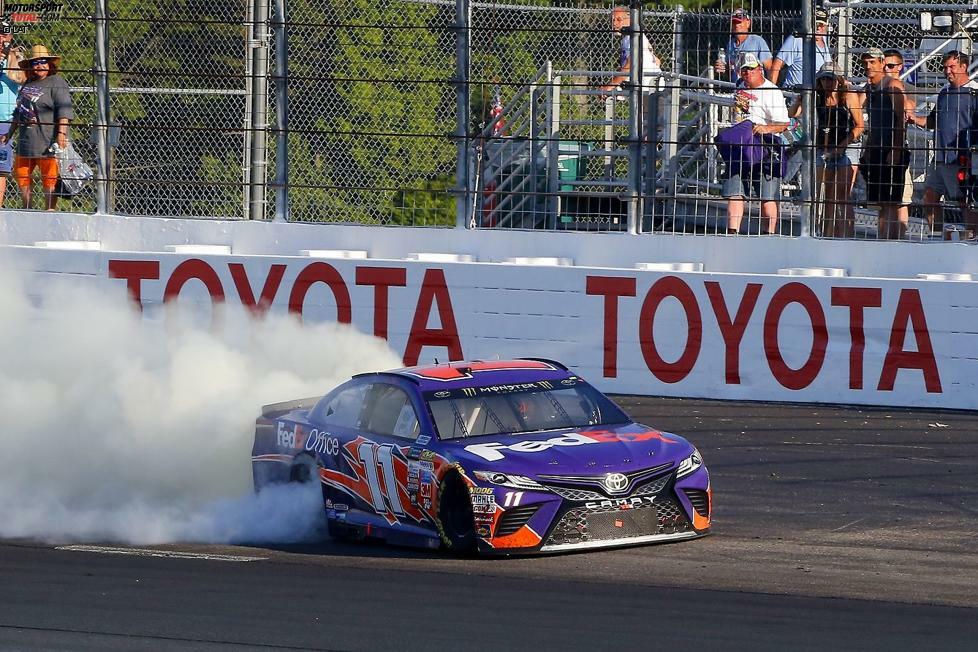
(848, 158)
(758, 186)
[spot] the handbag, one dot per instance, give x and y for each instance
(739, 147)
(73, 172)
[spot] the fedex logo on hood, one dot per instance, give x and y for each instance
(491, 450)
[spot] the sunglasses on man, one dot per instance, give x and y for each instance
(893, 66)
(39, 62)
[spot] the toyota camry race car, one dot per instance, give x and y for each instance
(517, 456)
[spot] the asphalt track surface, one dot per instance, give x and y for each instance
(834, 528)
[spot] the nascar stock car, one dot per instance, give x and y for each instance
(517, 456)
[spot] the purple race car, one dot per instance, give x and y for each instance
(513, 456)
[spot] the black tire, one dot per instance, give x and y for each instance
(455, 515)
(302, 470)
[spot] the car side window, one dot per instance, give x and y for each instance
(343, 410)
(389, 412)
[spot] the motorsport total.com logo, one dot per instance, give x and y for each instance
(23, 15)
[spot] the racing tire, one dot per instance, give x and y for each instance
(455, 515)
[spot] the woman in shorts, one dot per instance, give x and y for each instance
(839, 126)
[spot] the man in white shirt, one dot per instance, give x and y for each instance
(761, 102)
(621, 19)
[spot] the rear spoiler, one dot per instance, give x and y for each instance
(275, 410)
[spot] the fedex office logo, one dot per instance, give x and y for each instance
(490, 450)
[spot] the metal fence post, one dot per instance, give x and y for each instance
(259, 111)
(281, 114)
(463, 51)
(102, 107)
(636, 89)
(809, 195)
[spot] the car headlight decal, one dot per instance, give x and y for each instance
(690, 464)
(509, 480)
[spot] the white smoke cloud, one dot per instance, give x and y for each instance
(116, 427)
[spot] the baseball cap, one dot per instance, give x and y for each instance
(873, 53)
(748, 60)
(830, 69)
(740, 14)
(821, 16)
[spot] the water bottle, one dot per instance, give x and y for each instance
(722, 60)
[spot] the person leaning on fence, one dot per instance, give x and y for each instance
(743, 42)
(953, 120)
(41, 124)
(893, 67)
(762, 103)
(885, 156)
(10, 80)
(620, 20)
(838, 128)
(790, 56)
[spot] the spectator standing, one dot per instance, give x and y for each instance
(839, 125)
(41, 116)
(885, 157)
(762, 103)
(792, 51)
(621, 19)
(952, 120)
(10, 80)
(893, 66)
(742, 42)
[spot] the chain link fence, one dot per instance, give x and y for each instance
(199, 111)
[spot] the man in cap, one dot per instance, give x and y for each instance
(892, 67)
(885, 158)
(762, 103)
(743, 42)
(10, 81)
(790, 56)
(952, 119)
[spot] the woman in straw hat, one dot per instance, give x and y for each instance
(42, 116)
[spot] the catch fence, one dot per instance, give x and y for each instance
(454, 112)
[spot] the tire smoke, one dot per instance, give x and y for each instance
(136, 428)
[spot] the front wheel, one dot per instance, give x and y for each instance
(455, 515)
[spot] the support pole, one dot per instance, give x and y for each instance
(463, 51)
(808, 190)
(634, 198)
(102, 109)
(281, 113)
(259, 111)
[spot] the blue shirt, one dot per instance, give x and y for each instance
(953, 121)
(753, 43)
(791, 53)
(8, 97)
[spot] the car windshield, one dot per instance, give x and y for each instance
(521, 407)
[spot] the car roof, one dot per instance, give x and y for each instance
(479, 373)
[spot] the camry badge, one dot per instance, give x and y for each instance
(615, 482)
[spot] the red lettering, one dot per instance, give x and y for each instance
(194, 268)
(670, 286)
(272, 282)
(382, 278)
(321, 273)
(804, 375)
(857, 300)
(732, 331)
(135, 271)
(611, 288)
(433, 290)
(910, 310)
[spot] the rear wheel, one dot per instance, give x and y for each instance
(455, 515)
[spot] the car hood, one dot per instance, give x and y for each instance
(572, 452)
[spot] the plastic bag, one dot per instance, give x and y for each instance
(73, 172)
